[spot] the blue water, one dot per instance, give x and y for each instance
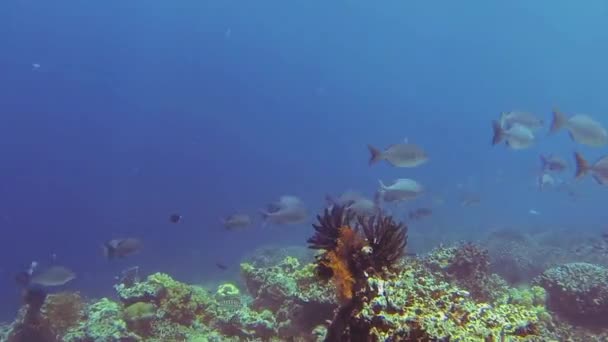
(140, 109)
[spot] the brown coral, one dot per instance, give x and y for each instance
(63, 311)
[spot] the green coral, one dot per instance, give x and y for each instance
(227, 290)
(139, 311)
(103, 323)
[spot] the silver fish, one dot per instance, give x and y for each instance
(364, 207)
(288, 210)
(120, 248)
(54, 276)
(401, 190)
(399, 155)
(599, 169)
(236, 221)
(345, 199)
(529, 120)
(517, 137)
(582, 128)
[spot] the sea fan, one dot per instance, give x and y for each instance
(386, 238)
(328, 228)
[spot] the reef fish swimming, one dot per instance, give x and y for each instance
(120, 248)
(287, 210)
(236, 221)
(399, 155)
(402, 189)
(53, 276)
(582, 128)
(529, 120)
(517, 137)
(599, 169)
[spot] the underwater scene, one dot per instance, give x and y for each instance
(301, 171)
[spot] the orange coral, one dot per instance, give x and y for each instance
(337, 260)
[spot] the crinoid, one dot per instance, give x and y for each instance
(328, 228)
(386, 240)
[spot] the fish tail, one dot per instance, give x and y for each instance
(499, 133)
(375, 154)
(559, 120)
(582, 166)
(109, 251)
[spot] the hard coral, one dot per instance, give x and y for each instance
(63, 311)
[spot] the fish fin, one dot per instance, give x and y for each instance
(543, 162)
(375, 155)
(499, 133)
(109, 251)
(502, 118)
(582, 166)
(382, 186)
(559, 120)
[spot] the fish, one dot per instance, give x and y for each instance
(345, 199)
(175, 218)
(544, 181)
(402, 189)
(221, 266)
(533, 212)
(399, 155)
(552, 163)
(529, 120)
(420, 213)
(120, 248)
(236, 221)
(470, 199)
(599, 169)
(288, 210)
(364, 207)
(517, 137)
(582, 128)
(53, 276)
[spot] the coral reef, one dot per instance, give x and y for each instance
(578, 291)
(467, 265)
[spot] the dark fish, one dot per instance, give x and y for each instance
(420, 213)
(120, 248)
(221, 266)
(175, 218)
(552, 163)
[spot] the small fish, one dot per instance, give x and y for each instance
(401, 190)
(420, 213)
(120, 248)
(508, 119)
(36, 66)
(53, 276)
(399, 155)
(583, 129)
(533, 212)
(599, 169)
(345, 199)
(552, 163)
(236, 221)
(364, 207)
(545, 181)
(471, 199)
(175, 218)
(288, 210)
(517, 137)
(221, 266)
